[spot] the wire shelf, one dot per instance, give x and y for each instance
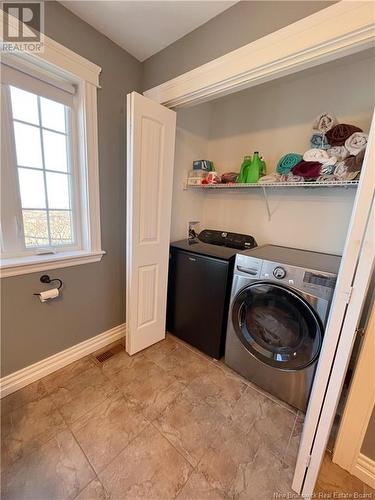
(314, 184)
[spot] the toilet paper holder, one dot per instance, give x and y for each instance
(46, 279)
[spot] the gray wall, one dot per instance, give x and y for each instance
(235, 27)
(94, 295)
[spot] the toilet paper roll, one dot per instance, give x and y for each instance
(49, 294)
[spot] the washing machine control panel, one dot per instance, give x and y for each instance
(279, 272)
(298, 278)
(318, 284)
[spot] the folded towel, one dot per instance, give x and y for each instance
(294, 178)
(340, 152)
(319, 141)
(339, 133)
(327, 169)
(270, 179)
(331, 161)
(351, 176)
(307, 169)
(229, 177)
(291, 178)
(342, 172)
(325, 178)
(354, 163)
(325, 122)
(316, 154)
(287, 162)
(356, 142)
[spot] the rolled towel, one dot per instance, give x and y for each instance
(319, 141)
(327, 170)
(287, 162)
(325, 178)
(316, 154)
(325, 122)
(229, 177)
(354, 163)
(339, 133)
(331, 161)
(351, 176)
(341, 170)
(356, 142)
(270, 179)
(291, 178)
(307, 169)
(342, 173)
(340, 152)
(294, 178)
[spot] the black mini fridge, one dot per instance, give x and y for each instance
(199, 284)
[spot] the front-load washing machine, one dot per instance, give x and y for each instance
(279, 305)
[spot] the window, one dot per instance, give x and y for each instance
(41, 130)
(47, 187)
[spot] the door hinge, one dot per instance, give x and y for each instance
(308, 461)
(360, 331)
(348, 295)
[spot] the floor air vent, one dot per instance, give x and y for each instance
(103, 356)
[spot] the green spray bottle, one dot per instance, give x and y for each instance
(255, 169)
(241, 179)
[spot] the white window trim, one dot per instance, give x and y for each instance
(85, 75)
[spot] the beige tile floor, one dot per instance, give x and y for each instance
(335, 482)
(166, 423)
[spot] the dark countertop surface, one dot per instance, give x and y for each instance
(198, 247)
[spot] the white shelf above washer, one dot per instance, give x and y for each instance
(276, 185)
(266, 186)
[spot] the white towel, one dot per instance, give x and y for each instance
(294, 178)
(269, 179)
(316, 154)
(332, 160)
(340, 152)
(356, 142)
(324, 122)
(325, 178)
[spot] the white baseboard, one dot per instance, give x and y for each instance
(364, 469)
(26, 376)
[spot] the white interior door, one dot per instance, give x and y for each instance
(151, 130)
(349, 296)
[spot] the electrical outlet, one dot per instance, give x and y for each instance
(193, 229)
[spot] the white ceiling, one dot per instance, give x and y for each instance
(146, 27)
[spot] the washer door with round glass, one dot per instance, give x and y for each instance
(277, 326)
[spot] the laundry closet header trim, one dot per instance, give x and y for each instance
(337, 31)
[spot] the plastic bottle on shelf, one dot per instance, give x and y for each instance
(264, 166)
(241, 179)
(255, 169)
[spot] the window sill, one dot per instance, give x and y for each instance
(36, 263)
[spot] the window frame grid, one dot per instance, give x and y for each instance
(72, 174)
